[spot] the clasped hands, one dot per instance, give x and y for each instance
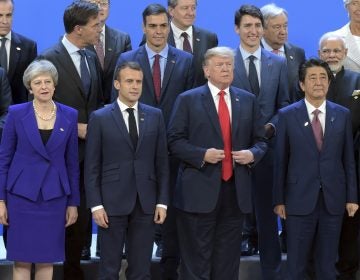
(243, 157)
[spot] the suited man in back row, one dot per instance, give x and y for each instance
(315, 174)
(20, 52)
(79, 87)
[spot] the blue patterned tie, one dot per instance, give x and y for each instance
(84, 72)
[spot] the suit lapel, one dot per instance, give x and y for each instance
(240, 71)
(143, 122)
(31, 129)
(266, 70)
(142, 58)
(15, 53)
(171, 40)
(305, 124)
(110, 41)
(330, 118)
(235, 112)
(170, 64)
(196, 40)
(210, 109)
(60, 131)
(119, 120)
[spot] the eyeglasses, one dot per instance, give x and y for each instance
(101, 3)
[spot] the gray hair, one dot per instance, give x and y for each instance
(271, 10)
(332, 35)
(347, 2)
(218, 51)
(39, 67)
(173, 3)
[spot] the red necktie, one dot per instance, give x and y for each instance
(317, 129)
(186, 43)
(224, 118)
(157, 77)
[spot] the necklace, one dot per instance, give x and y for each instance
(42, 117)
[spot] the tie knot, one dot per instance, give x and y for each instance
(275, 51)
(130, 111)
(185, 35)
(221, 93)
(316, 112)
(252, 58)
(82, 53)
(3, 40)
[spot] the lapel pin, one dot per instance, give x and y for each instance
(173, 61)
(306, 124)
(18, 48)
(237, 99)
(61, 129)
(197, 39)
(142, 119)
(332, 119)
(110, 49)
(291, 57)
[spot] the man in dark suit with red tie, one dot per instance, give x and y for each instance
(80, 87)
(216, 132)
(315, 174)
(127, 176)
(17, 54)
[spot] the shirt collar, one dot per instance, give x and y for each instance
(163, 53)
(310, 108)
(215, 91)
(269, 48)
(70, 47)
(123, 106)
(245, 54)
(177, 31)
(8, 36)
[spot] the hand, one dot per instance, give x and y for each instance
(269, 131)
(100, 217)
(280, 211)
(243, 156)
(82, 128)
(351, 208)
(160, 215)
(3, 214)
(71, 215)
(213, 155)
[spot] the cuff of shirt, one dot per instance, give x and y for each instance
(161, 206)
(93, 209)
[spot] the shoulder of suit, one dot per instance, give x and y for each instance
(116, 32)
(203, 31)
(179, 53)
(294, 47)
(22, 38)
(241, 93)
(66, 109)
(20, 109)
(337, 107)
(148, 108)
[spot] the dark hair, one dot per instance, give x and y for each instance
(79, 13)
(154, 9)
(314, 62)
(127, 64)
(250, 10)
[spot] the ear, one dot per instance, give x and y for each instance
(236, 28)
(117, 84)
(302, 86)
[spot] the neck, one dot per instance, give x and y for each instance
(250, 49)
(75, 41)
(315, 102)
(156, 49)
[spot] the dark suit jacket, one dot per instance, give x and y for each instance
(341, 89)
(5, 97)
(115, 173)
(300, 169)
(22, 52)
(28, 168)
(295, 56)
(178, 77)
(202, 41)
(70, 89)
(273, 87)
(116, 42)
(194, 127)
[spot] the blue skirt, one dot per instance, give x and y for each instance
(36, 231)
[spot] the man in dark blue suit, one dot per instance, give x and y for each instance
(315, 174)
(344, 90)
(176, 76)
(275, 40)
(127, 174)
(183, 14)
(20, 52)
(271, 90)
(82, 27)
(217, 133)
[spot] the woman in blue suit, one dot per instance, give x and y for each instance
(39, 175)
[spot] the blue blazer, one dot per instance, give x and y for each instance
(274, 89)
(28, 168)
(194, 127)
(178, 77)
(300, 169)
(116, 172)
